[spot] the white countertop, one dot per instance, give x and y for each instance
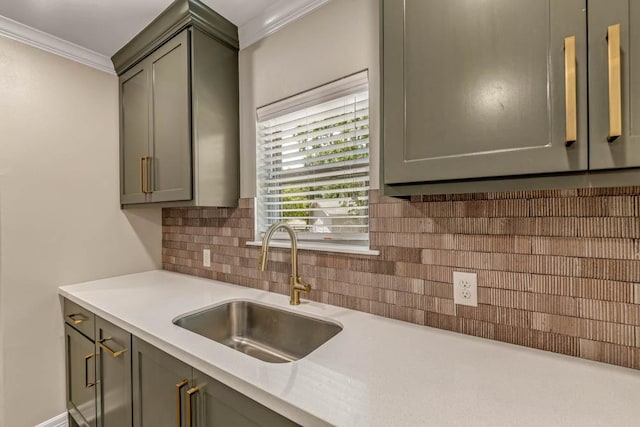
(377, 371)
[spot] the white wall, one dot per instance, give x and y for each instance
(60, 220)
(338, 39)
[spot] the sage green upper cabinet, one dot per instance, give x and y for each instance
(476, 89)
(170, 163)
(134, 133)
(155, 119)
(614, 96)
(179, 136)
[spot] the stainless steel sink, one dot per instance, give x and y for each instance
(266, 333)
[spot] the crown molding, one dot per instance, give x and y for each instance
(274, 18)
(36, 38)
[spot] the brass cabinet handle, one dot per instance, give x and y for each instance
(615, 83)
(570, 97)
(76, 318)
(113, 353)
(179, 388)
(147, 180)
(190, 393)
(88, 357)
(142, 175)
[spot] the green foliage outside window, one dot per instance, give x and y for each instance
(299, 206)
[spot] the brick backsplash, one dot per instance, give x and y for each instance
(558, 270)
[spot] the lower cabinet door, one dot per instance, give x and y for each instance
(213, 404)
(81, 377)
(113, 354)
(160, 384)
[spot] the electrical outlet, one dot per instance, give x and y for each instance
(465, 288)
(206, 257)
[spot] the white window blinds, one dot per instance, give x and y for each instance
(313, 163)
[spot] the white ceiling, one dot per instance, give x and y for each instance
(104, 26)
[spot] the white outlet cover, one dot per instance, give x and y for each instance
(206, 257)
(465, 288)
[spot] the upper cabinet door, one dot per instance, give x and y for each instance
(135, 86)
(614, 96)
(170, 166)
(478, 89)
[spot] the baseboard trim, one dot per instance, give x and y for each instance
(57, 421)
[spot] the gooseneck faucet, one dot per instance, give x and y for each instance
(296, 283)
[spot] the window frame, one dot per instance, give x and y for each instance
(338, 242)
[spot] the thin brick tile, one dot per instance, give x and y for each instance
(505, 280)
(558, 270)
(612, 191)
(613, 227)
(586, 248)
(622, 270)
(616, 312)
(442, 321)
(439, 305)
(606, 352)
(606, 332)
(497, 315)
(562, 325)
(582, 287)
(438, 289)
(537, 339)
(477, 328)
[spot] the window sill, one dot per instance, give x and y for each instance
(323, 247)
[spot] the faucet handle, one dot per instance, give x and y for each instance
(302, 285)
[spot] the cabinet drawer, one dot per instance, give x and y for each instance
(80, 318)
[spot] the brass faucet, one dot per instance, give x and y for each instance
(296, 283)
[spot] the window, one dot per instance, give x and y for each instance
(313, 164)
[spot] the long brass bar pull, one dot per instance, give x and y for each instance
(190, 393)
(113, 353)
(179, 388)
(570, 87)
(88, 357)
(75, 318)
(148, 160)
(142, 175)
(615, 83)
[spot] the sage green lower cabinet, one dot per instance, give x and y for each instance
(214, 404)
(81, 378)
(98, 369)
(113, 361)
(477, 89)
(168, 392)
(160, 383)
(622, 151)
(115, 379)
